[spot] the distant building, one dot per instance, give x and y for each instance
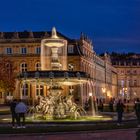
(128, 69)
(23, 49)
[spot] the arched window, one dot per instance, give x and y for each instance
(23, 67)
(24, 90)
(39, 90)
(37, 66)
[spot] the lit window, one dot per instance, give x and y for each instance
(39, 90)
(70, 49)
(122, 83)
(25, 90)
(37, 66)
(23, 50)
(23, 67)
(8, 50)
(128, 82)
(37, 50)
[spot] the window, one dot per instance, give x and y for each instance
(122, 83)
(37, 50)
(122, 72)
(134, 72)
(23, 50)
(39, 90)
(70, 49)
(25, 90)
(121, 63)
(128, 71)
(23, 67)
(8, 50)
(135, 82)
(134, 63)
(128, 83)
(37, 66)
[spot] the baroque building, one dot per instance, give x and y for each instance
(24, 49)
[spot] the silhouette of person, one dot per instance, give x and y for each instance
(13, 113)
(21, 109)
(120, 109)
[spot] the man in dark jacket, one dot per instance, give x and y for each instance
(120, 109)
(13, 113)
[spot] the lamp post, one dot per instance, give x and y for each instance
(92, 106)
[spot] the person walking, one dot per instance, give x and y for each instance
(111, 105)
(13, 113)
(137, 110)
(21, 109)
(120, 109)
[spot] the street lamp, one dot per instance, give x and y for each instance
(92, 106)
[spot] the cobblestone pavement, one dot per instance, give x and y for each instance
(125, 134)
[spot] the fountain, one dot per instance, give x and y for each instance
(54, 73)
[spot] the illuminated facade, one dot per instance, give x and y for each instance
(24, 49)
(128, 69)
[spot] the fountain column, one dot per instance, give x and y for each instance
(54, 53)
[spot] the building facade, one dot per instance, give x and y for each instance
(24, 48)
(128, 69)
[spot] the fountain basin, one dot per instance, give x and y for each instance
(54, 42)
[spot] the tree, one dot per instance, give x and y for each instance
(7, 75)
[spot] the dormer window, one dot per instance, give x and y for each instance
(70, 49)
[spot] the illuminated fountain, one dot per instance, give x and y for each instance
(57, 102)
(54, 74)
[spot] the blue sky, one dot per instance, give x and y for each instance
(113, 25)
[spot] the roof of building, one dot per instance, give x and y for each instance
(29, 34)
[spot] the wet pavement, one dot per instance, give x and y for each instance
(124, 134)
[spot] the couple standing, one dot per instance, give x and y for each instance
(18, 110)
